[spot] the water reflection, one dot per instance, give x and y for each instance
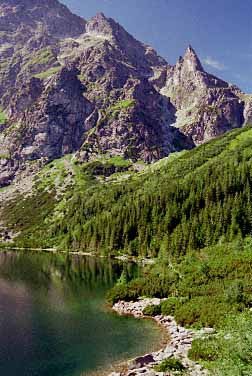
(52, 317)
(41, 269)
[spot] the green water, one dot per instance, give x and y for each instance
(53, 321)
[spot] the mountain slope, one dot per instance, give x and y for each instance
(122, 99)
(178, 204)
(29, 39)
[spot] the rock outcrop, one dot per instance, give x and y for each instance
(54, 124)
(206, 106)
(248, 110)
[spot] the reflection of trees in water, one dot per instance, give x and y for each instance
(21, 266)
(95, 272)
(38, 270)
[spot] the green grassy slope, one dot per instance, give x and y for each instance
(181, 204)
(188, 203)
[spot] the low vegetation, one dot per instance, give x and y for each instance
(202, 289)
(3, 117)
(48, 73)
(229, 351)
(170, 364)
(152, 310)
(41, 57)
(122, 105)
(209, 288)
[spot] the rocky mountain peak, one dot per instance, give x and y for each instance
(133, 51)
(191, 60)
(35, 16)
(100, 16)
(101, 25)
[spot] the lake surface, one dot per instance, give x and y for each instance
(53, 320)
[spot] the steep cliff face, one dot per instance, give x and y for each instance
(206, 106)
(51, 124)
(131, 118)
(54, 124)
(30, 35)
(88, 87)
(248, 109)
(22, 19)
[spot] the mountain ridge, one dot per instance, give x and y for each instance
(139, 106)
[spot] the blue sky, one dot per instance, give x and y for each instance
(219, 30)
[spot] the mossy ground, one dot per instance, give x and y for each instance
(3, 117)
(48, 73)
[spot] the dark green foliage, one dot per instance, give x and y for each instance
(170, 364)
(202, 311)
(151, 285)
(127, 292)
(168, 306)
(152, 310)
(191, 202)
(203, 288)
(124, 278)
(188, 203)
(106, 168)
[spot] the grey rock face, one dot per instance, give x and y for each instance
(55, 124)
(248, 110)
(137, 54)
(24, 97)
(44, 17)
(30, 35)
(206, 106)
(67, 85)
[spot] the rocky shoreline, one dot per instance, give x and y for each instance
(178, 346)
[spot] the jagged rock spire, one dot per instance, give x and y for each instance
(191, 60)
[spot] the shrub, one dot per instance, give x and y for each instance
(152, 310)
(118, 292)
(127, 292)
(204, 349)
(169, 305)
(170, 364)
(228, 352)
(156, 286)
(202, 311)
